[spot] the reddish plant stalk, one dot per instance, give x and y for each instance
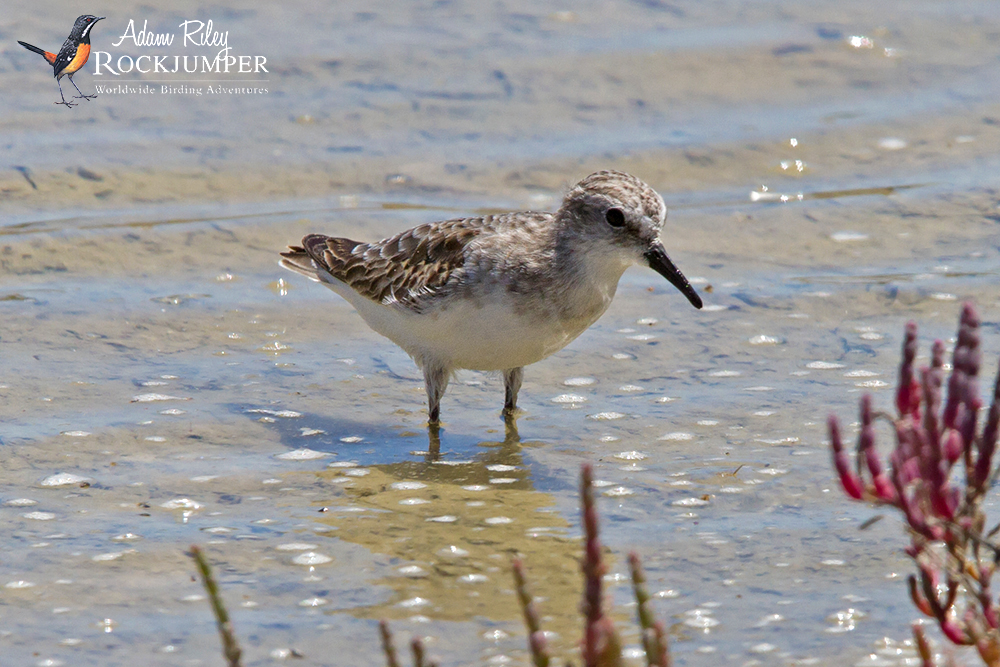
(601, 646)
(537, 643)
(943, 511)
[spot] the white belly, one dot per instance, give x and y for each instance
(487, 336)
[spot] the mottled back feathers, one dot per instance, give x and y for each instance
(403, 270)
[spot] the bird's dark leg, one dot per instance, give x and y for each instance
(436, 381)
(69, 104)
(86, 97)
(511, 384)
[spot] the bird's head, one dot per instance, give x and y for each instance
(83, 26)
(621, 211)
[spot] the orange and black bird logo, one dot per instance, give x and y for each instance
(72, 56)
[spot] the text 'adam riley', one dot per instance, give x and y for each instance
(196, 34)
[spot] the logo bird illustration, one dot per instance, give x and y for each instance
(72, 56)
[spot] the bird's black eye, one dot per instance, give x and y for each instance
(615, 217)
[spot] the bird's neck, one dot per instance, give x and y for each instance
(592, 273)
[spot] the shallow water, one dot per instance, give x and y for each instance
(821, 194)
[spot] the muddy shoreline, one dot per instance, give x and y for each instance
(153, 348)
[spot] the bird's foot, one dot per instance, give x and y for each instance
(69, 104)
(510, 406)
(85, 96)
(511, 413)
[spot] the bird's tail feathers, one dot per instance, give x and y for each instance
(298, 260)
(51, 57)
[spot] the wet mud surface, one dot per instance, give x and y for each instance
(164, 383)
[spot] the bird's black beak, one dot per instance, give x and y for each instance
(100, 18)
(659, 262)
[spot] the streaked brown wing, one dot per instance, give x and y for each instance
(402, 270)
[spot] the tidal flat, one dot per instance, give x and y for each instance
(830, 173)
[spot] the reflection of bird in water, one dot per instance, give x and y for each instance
(444, 533)
(498, 292)
(511, 438)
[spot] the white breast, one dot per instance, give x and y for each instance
(486, 334)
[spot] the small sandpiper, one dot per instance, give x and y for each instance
(498, 292)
